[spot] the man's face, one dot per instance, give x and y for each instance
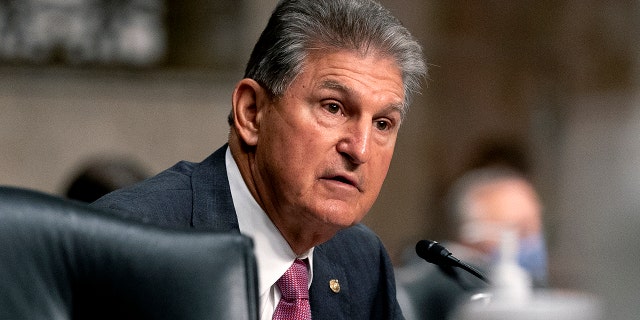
(324, 147)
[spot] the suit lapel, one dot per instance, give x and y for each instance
(325, 303)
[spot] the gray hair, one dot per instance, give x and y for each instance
(297, 26)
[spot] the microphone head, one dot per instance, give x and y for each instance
(433, 252)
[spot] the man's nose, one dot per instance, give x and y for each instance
(355, 142)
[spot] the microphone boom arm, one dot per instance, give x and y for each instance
(433, 252)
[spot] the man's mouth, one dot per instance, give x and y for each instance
(352, 181)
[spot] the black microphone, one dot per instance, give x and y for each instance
(433, 252)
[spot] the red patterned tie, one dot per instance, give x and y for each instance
(294, 303)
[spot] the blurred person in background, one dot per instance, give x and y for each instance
(482, 204)
(485, 202)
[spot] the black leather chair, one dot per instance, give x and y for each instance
(63, 260)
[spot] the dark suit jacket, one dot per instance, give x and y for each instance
(197, 195)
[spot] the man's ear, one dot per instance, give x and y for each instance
(248, 97)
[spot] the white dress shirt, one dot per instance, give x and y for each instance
(273, 254)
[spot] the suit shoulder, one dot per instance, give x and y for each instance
(163, 199)
(178, 177)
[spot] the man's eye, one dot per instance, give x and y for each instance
(382, 125)
(332, 108)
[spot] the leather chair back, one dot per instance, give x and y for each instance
(61, 259)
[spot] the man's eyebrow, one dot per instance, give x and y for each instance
(332, 84)
(335, 85)
(396, 107)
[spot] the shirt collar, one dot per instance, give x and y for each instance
(273, 254)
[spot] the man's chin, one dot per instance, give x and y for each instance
(340, 220)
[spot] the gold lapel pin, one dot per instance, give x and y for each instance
(334, 285)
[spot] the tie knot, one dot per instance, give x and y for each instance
(293, 283)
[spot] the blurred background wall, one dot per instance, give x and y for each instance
(555, 79)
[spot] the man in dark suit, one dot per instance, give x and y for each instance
(313, 127)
